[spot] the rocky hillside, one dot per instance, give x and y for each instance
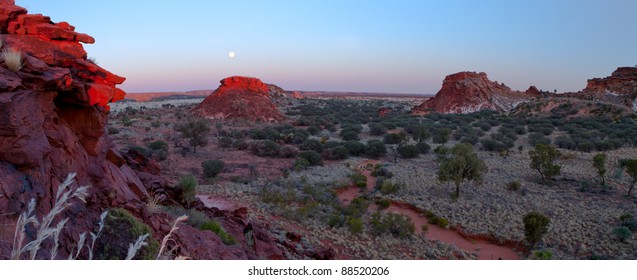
(619, 88)
(53, 110)
(243, 98)
(467, 92)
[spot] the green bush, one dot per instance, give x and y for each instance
(387, 187)
(383, 204)
(215, 227)
(622, 233)
(121, 228)
(535, 226)
(155, 124)
(397, 225)
(159, 149)
(375, 149)
(423, 147)
(265, 148)
(186, 189)
(301, 164)
(542, 255)
(288, 151)
(349, 135)
(408, 151)
(312, 157)
(355, 225)
(240, 144)
(354, 148)
(311, 145)
(395, 138)
(377, 129)
(212, 168)
(627, 220)
(339, 153)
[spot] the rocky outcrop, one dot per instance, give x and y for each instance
(242, 98)
(467, 92)
(621, 81)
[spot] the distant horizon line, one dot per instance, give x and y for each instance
(302, 91)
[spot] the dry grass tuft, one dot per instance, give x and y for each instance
(168, 236)
(134, 247)
(13, 59)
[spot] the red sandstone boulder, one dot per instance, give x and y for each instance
(241, 98)
(467, 92)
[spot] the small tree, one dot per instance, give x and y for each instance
(463, 165)
(542, 160)
(535, 226)
(196, 131)
(375, 149)
(631, 169)
(442, 136)
(599, 162)
(420, 133)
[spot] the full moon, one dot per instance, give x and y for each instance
(231, 54)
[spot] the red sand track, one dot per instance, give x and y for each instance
(483, 249)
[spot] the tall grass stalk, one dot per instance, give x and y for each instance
(44, 228)
(133, 248)
(175, 227)
(13, 59)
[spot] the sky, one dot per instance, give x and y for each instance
(361, 46)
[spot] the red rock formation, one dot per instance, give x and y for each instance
(468, 92)
(622, 81)
(241, 98)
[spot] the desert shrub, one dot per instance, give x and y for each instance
(338, 153)
(375, 149)
(240, 144)
(542, 159)
(424, 228)
(377, 129)
(442, 222)
(313, 130)
(408, 151)
(513, 185)
(225, 142)
(288, 151)
(397, 225)
(354, 148)
(355, 225)
(380, 171)
(383, 204)
(301, 164)
(622, 233)
(536, 138)
(394, 138)
(463, 165)
(311, 145)
(155, 124)
(441, 136)
(215, 227)
(599, 162)
(257, 134)
(349, 135)
(492, 145)
(387, 187)
(212, 168)
(265, 148)
(627, 220)
(159, 149)
(535, 226)
(312, 157)
(423, 147)
(140, 150)
(186, 189)
(358, 177)
(121, 229)
(112, 130)
(542, 255)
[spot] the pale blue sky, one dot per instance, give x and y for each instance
(376, 46)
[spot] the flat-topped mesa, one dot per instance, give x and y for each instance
(621, 81)
(242, 98)
(467, 92)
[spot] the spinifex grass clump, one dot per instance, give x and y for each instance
(13, 59)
